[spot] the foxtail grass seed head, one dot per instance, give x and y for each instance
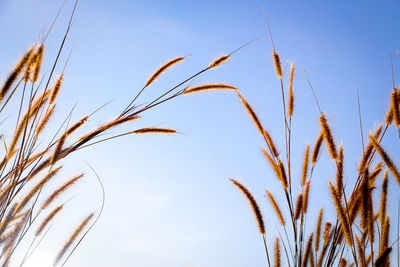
(29, 67)
(75, 126)
(342, 214)
(307, 251)
(277, 62)
(305, 198)
(252, 113)
(282, 174)
(339, 171)
(326, 235)
(270, 143)
(299, 205)
(38, 63)
(207, 87)
(318, 229)
(384, 192)
(162, 69)
(253, 204)
(368, 151)
(276, 207)
(388, 161)
(151, 130)
(56, 88)
(36, 189)
(272, 163)
(15, 73)
(64, 187)
(57, 151)
(317, 148)
(219, 61)
(389, 116)
(291, 95)
(48, 219)
(72, 238)
(395, 108)
(385, 235)
(305, 165)
(277, 253)
(326, 130)
(46, 118)
(361, 252)
(383, 259)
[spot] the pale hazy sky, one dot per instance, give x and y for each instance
(169, 201)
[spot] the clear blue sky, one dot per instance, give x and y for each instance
(169, 201)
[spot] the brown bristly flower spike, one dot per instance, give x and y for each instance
(342, 215)
(383, 259)
(163, 68)
(368, 151)
(65, 186)
(36, 189)
(291, 95)
(270, 143)
(206, 87)
(58, 149)
(305, 165)
(382, 210)
(299, 205)
(339, 171)
(253, 204)
(150, 130)
(395, 108)
(326, 130)
(251, 112)
(14, 73)
(389, 116)
(272, 163)
(317, 148)
(307, 251)
(361, 252)
(277, 253)
(282, 174)
(43, 122)
(38, 63)
(276, 207)
(56, 88)
(72, 238)
(385, 235)
(386, 158)
(277, 63)
(305, 198)
(48, 219)
(219, 61)
(77, 124)
(318, 229)
(29, 65)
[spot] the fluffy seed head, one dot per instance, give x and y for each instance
(291, 95)
(56, 88)
(277, 62)
(206, 87)
(219, 61)
(155, 130)
(317, 148)
(162, 69)
(253, 204)
(276, 207)
(326, 130)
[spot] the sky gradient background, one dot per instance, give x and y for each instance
(169, 201)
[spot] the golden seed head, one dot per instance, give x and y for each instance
(219, 61)
(278, 66)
